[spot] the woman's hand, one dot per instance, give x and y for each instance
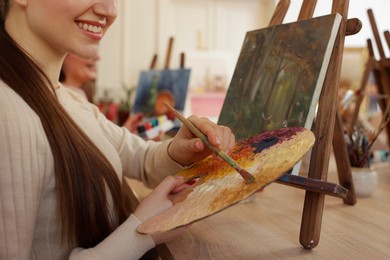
(132, 122)
(159, 201)
(186, 148)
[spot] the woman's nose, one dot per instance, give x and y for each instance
(106, 8)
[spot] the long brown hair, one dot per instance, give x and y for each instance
(82, 172)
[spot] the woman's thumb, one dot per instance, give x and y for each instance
(169, 183)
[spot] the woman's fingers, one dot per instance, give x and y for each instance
(159, 200)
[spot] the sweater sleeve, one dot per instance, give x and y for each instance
(124, 243)
(25, 158)
(146, 161)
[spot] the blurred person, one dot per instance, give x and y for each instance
(79, 74)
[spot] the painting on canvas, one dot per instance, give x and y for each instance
(279, 75)
(156, 86)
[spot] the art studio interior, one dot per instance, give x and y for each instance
(304, 84)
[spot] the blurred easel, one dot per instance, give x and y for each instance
(368, 68)
(380, 69)
(327, 128)
(153, 64)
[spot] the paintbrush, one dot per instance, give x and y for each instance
(244, 174)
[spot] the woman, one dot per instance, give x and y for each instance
(61, 161)
(76, 72)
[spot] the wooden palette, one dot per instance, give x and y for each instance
(217, 186)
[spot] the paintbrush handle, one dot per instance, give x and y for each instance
(196, 131)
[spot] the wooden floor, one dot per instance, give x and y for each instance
(267, 227)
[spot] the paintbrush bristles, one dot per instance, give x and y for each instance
(246, 175)
(249, 178)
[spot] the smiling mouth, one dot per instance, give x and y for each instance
(90, 28)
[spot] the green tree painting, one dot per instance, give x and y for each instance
(279, 75)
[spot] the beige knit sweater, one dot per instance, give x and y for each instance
(29, 225)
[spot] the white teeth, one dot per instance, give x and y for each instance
(91, 28)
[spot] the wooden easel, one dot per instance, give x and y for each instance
(328, 127)
(381, 67)
(368, 68)
(153, 63)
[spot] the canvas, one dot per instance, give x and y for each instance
(155, 86)
(279, 76)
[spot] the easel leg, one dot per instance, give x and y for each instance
(312, 219)
(342, 161)
(324, 129)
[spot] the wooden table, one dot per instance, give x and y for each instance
(267, 227)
